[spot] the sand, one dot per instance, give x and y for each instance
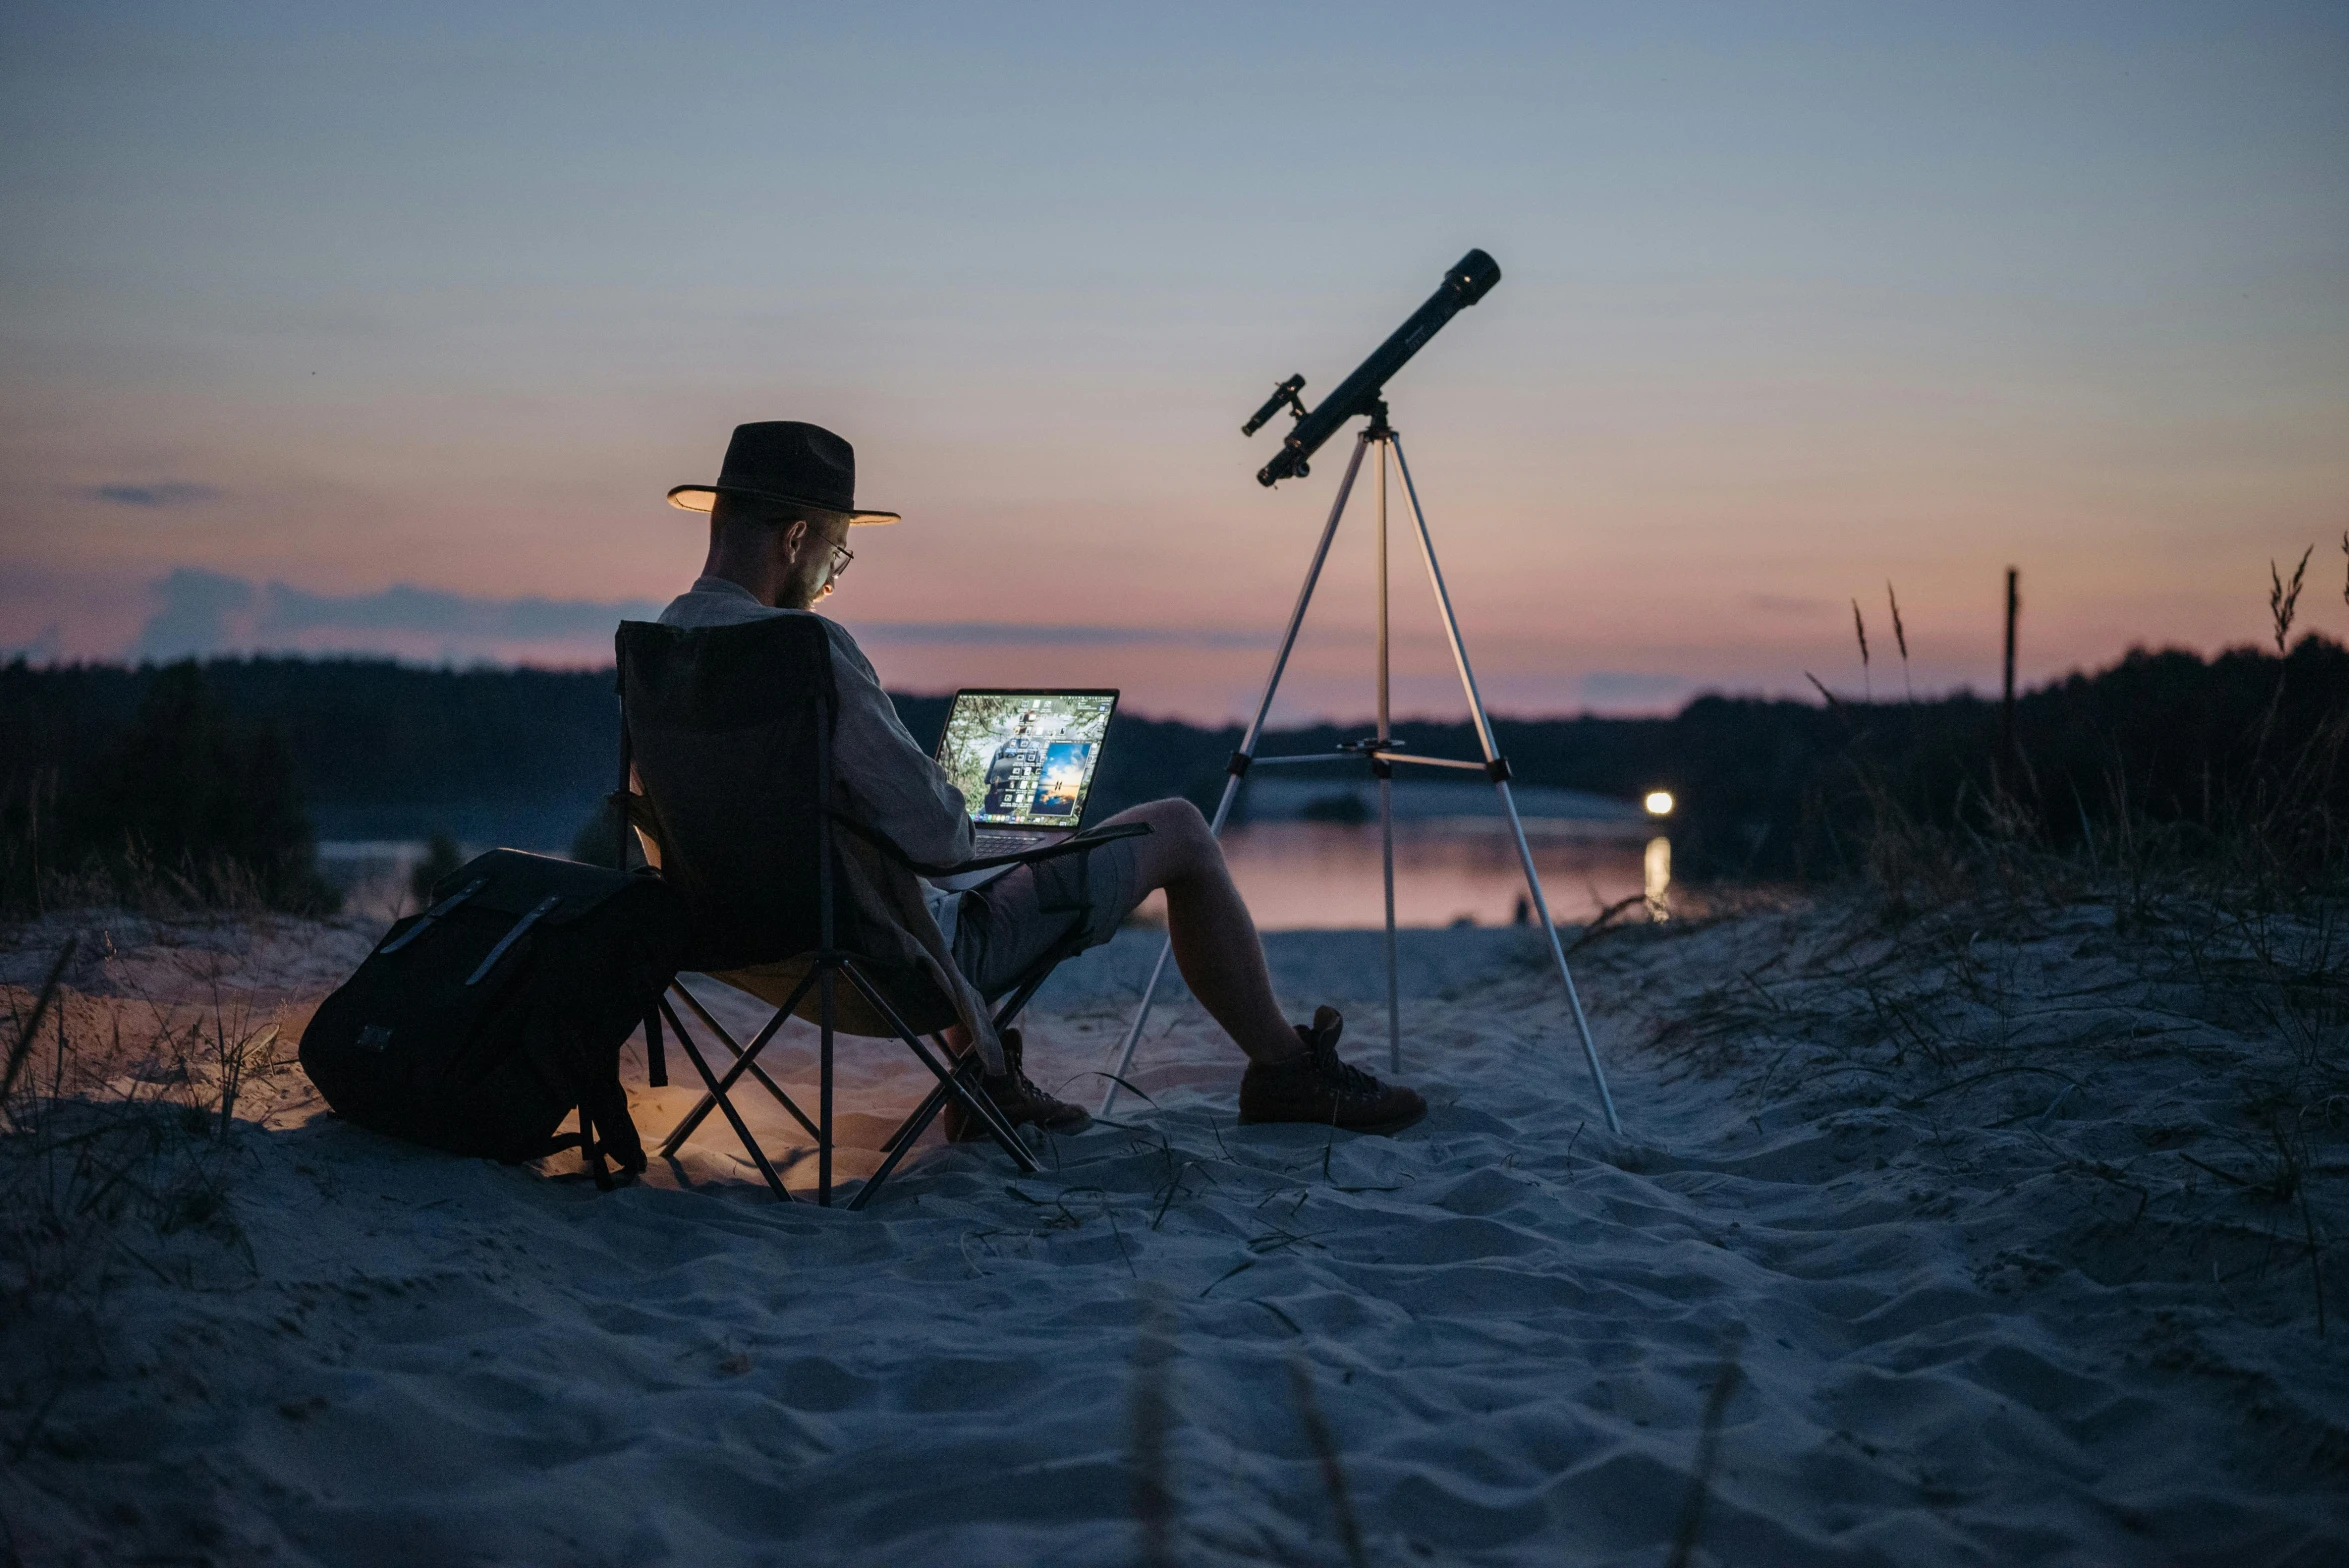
(1971, 1233)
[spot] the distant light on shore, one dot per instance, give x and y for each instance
(1659, 803)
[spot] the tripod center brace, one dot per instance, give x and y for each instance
(1363, 393)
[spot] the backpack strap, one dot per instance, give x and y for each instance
(538, 911)
(607, 1130)
(656, 1056)
(607, 1140)
(591, 1153)
(424, 922)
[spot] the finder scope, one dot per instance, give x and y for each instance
(1470, 279)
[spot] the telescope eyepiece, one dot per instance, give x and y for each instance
(1283, 396)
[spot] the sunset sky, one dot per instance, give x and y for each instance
(386, 327)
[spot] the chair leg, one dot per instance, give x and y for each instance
(954, 1081)
(746, 1056)
(1021, 996)
(782, 1015)
(744, 1061)
(907, 1135)
(972, 1096)
(824, 987)
(915, 1121)
(909, 1132)
(750, 1144)
(1025, 991)
(919, 1117)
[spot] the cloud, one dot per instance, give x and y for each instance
(1026, 635)
(203, 614)
(169, 494)
(296, 615)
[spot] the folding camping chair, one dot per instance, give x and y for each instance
(728, 729)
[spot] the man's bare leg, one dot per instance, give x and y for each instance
(1215, 944)
(1215, 941)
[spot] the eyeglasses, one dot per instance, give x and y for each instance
(842, 555)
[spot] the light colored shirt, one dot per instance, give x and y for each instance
(888, 783)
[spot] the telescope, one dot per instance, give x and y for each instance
(1469, 280)
(1364, 392)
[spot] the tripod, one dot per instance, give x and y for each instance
(1382, 752)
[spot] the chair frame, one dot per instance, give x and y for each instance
(958, 1081)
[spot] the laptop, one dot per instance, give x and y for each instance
(1024, 761)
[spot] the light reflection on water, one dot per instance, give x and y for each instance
(1306, 875)
(1295, 875)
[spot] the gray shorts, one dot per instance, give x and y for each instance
(1002, 929)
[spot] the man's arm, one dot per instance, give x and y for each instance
(893, 786)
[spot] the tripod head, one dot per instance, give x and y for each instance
(1469, 280)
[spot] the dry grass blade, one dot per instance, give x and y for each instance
(1708, 1455)
(1860, 630)
(1154, 1503)
(2282, 599)
(32, 1025)
(1604, 921)
(1900, 636)
(2316, 1271)
(1325, 1449)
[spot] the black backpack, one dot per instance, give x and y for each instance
(479, 1024)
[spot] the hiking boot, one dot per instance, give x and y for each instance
(1018, 1098)
(1314, 1086)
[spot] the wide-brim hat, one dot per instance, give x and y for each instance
(784, 461)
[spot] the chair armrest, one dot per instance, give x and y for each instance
(1067, 846)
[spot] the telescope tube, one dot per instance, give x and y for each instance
(1470, 279)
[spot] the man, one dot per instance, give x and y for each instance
(780, 516)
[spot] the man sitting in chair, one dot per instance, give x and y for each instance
(780, 516)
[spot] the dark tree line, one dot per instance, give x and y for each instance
(191, 766)
(160, 794)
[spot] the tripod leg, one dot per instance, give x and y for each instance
(1386, 775)
(1484, 735)
(1533, 885)
(1386, 828)
(1231, 785)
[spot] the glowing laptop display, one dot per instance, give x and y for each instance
(1025, 759)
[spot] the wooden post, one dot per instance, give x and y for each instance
(2006, 710)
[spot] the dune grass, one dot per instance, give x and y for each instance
(118, 1144)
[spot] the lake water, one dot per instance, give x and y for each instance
(1321, 875)
(1295, 875)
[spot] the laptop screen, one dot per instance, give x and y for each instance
(1025, 758)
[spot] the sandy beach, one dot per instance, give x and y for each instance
(1979, 1235)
